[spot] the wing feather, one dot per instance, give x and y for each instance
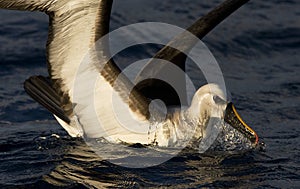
(30, 5)
(74, 27)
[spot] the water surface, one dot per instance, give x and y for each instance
(258, 51)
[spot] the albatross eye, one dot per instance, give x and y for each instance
(219, 100)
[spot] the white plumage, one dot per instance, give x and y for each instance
(75, 26)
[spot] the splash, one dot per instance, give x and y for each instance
(230, 139)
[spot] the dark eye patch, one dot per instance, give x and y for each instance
(219, 100)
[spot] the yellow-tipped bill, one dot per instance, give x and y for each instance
(235, 120)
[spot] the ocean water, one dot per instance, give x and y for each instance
(257, 49)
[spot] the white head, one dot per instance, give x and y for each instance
(211, 101)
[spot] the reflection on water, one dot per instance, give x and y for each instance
(55, 160)
(82, 166)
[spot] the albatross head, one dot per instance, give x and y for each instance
(210, 101)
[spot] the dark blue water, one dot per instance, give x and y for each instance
(258, 51)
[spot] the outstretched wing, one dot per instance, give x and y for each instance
(74, 27)
(185, 42)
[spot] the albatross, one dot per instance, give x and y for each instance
(74, 28)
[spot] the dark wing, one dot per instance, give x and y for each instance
(41, 90)
(152, 88)
(74, 27)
